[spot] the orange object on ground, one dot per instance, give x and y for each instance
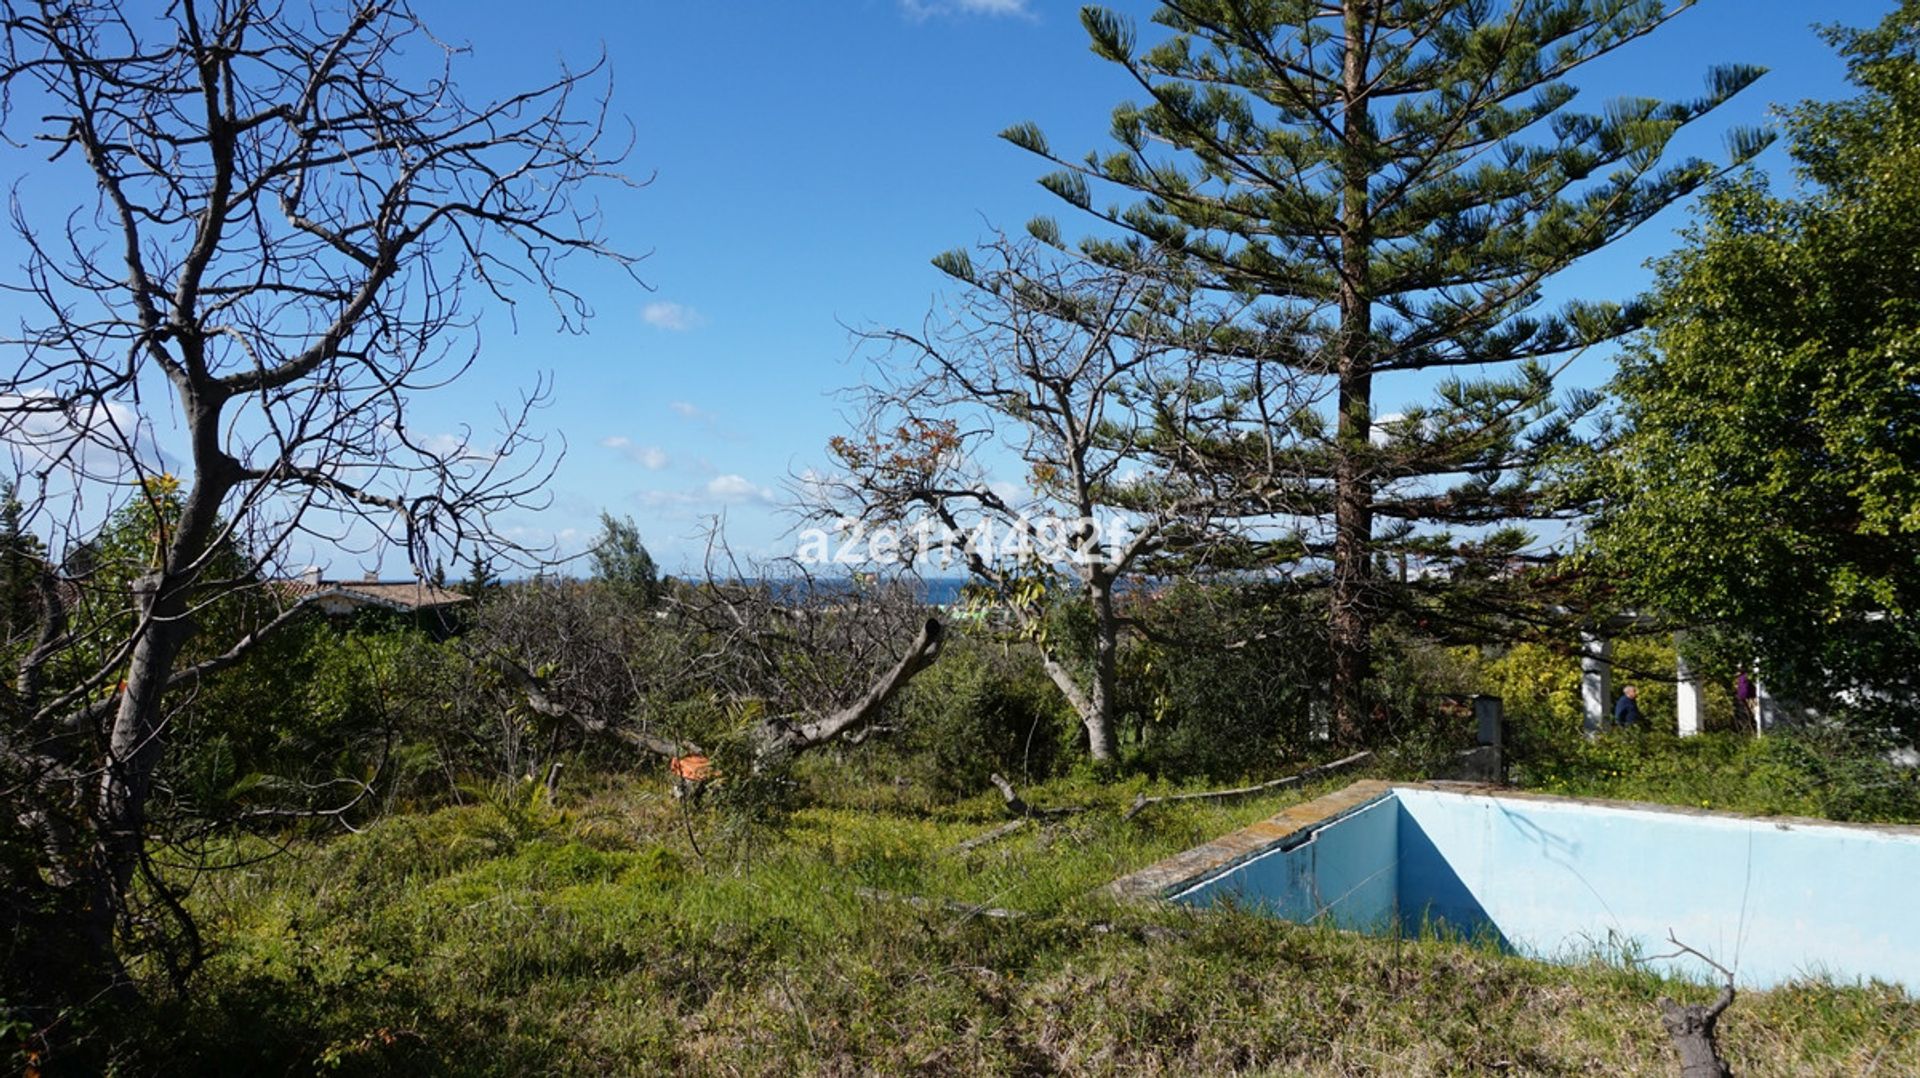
(692, 768)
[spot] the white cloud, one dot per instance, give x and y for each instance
(728, 489)
(919, 10)
(814, 486)
(456, 448)
(666, 499)
(86, 440)
(737, 489)
(1014, 494)
(693, 413)
(535, 537)
(675, 317)
(650, 457)
(1399, 427)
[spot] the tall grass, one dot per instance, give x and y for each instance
(613, 932)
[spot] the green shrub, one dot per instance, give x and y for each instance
(1226, 684)
(1828, 774)
(979, 710)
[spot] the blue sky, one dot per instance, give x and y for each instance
(804, 161)
(808, 160)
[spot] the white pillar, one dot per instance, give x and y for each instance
(1320, 717)
(1596, 670)
(1686, 691)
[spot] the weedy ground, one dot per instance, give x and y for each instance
(612, 931)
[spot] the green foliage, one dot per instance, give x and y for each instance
(129, 547)
(1826, 775)
(1766, 480)
(981, 709)
(604, 947)
(1422, 689)
(754, 796)
(481, 579)
(1539, 690)
(1384, 188)
(22, 561)
(316, 702)
(621, 562)
(516, 812)
(1225, 685)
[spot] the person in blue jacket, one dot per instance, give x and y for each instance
(1626, 710)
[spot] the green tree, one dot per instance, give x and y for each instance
(480, 577)
(1393, 183)
(1765, 480)
(621, 562)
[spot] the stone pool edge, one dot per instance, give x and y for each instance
(1164, 879)
(1283, 830)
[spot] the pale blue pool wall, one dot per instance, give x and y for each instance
(1568, 878)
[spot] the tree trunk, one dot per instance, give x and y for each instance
(136, 739)
(1350, 617)
(1106, 661)
(1692, 1030)
(162, 602)
(1094, 709)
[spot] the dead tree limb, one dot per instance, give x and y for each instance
(269, 239)
(780, 740)
(1692, 1026)
(774, 738)
(1019, 807)
(533, 688)
(1143, 802)
(993, 836)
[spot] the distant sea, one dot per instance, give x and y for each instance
(934, 591)
(943, 591)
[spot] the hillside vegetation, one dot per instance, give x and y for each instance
(608, 930)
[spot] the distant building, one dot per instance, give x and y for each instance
(339, 598)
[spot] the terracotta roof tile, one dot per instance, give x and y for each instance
(392, 594)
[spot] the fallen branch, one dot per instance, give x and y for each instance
(774, 738)
(1143, 802)
(779, 740)
(1019, 807)
(992, 836)
(534, 689)
(1692, 1026)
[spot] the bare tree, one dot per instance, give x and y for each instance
(551, 662)
(287, 213)
(1100, 385)
(806, 663)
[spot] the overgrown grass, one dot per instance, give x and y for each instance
(614, 934)
(1802, 773)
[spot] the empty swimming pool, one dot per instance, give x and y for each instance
(1567, 878)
